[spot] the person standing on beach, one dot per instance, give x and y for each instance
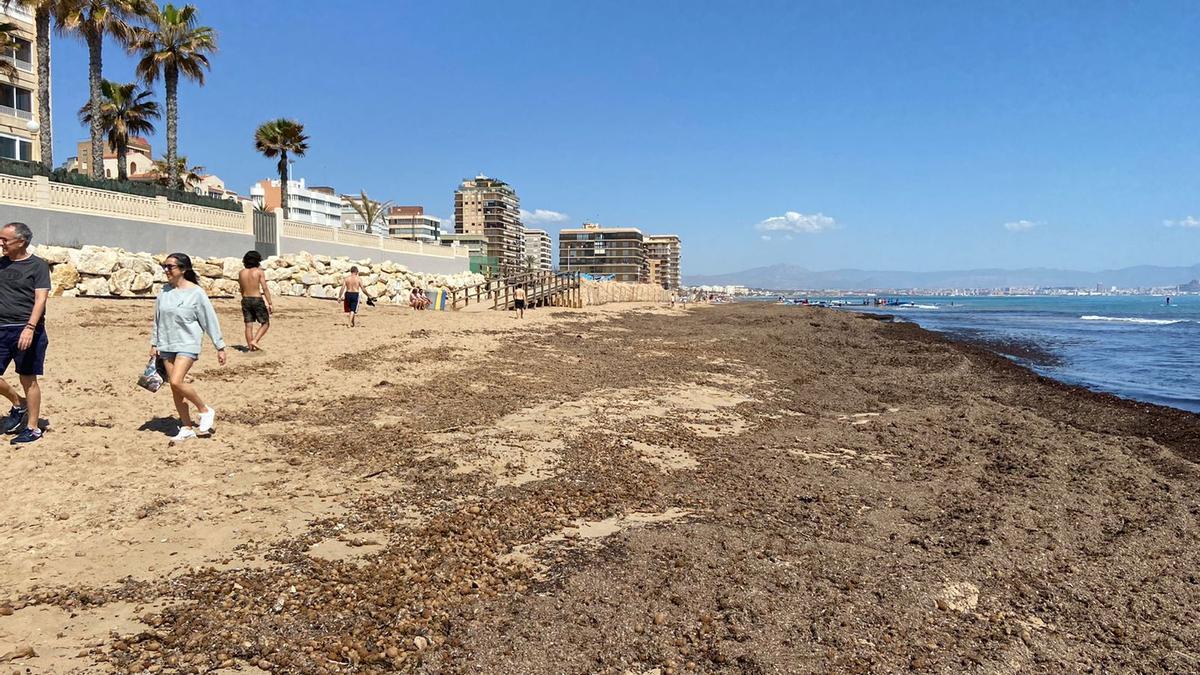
(182, 316)
(519, 301)
(349, 292)
(24, 288)
(256, 299)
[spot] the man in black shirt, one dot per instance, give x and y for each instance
(24, 287)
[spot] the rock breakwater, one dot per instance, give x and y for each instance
(99, 271)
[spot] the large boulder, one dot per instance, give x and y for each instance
(97, 261)
(138, 262)
(63, 277)
(231, 267)
(142, 282)
(208, 270)
(375, 290)
(309, 278)
(53, 254)
(93, 286)
(121, 281)
(225, 287)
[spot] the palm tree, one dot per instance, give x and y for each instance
(370, 211)
(279, 138)
(8, 40)
(173, 45)
(92, 20)
(188, 176)
(125, 111)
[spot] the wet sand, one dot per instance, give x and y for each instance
(749, 489)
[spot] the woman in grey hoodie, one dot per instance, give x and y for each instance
(182, 316)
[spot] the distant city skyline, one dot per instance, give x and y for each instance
(923, 137)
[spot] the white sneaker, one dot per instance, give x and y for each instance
(185, 433)
(206, 420)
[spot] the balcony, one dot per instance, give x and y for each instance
(14, 112)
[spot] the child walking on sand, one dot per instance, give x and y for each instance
(256, 299)
(349, 292)
(182, 316)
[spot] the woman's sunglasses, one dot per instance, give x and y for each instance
(168, 267)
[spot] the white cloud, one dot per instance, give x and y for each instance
(799, 223)
(766, 237)
(1190, 221)
(1020, 225)
(543, 216)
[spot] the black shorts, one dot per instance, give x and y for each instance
(28, 362)
(350, 302)
(518, 304)
(254, 310)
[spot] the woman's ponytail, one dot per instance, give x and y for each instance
(185, 266)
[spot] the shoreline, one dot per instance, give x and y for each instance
(1027, 352)
(767, 490)
(1158, 427)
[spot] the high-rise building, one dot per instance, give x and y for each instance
(539, 251)
(489, 207)
(18, 92)
(666, 249)
(315, 205)
(616, 252)
(411, 222)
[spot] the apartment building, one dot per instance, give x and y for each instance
(490, 207)
(666, 249)
(139, 160)
(352, 220)
(315, 205)
(539, 250)
(19, 93)
(411, 222)
(616, 252)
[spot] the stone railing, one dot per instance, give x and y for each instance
(17, 190)
(199, 216)
(41, 192)
(294, 230)
(76, 198)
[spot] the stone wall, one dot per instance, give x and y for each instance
(604, 292)
(97, 271)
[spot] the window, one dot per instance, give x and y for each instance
(21, 55)
(16, 101)
(12, 147)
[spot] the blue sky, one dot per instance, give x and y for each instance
(878, 135)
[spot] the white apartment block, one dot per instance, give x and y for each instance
(411, 222)
(539, 251)
(315, 205)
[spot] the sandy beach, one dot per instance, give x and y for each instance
(628, 488)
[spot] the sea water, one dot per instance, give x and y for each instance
(1137, 347)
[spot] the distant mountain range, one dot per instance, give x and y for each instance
(786, 276)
